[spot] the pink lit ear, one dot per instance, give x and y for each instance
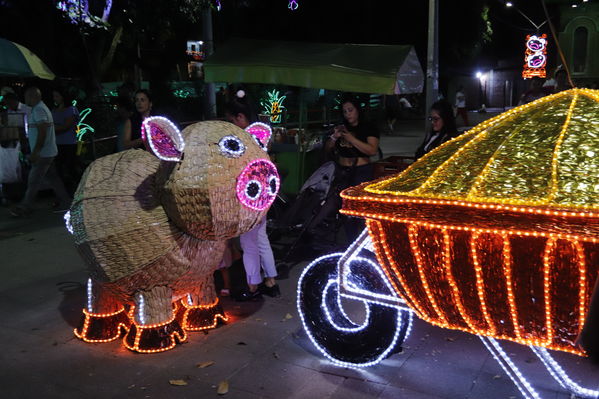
(163, 138)
(260, 131)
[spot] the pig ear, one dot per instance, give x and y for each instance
(261, 132)
(163, 138)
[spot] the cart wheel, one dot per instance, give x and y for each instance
(333, 332)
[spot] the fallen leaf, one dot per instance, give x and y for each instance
(241, 343)
(449, 339)
(223, 387)
(276, 355)
(131, 386)
(203, 365)
(177, 382)
(496, 377)
(287, 317)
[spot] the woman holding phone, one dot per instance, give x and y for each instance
(353, 143)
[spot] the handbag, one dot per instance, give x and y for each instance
(10, 165)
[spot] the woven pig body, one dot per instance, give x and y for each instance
(152, 228)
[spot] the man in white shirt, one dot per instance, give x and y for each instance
(42, 142)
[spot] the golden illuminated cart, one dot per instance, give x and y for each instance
(495, 233)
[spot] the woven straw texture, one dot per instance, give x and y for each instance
(142, 223)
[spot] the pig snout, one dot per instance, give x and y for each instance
(258, 184)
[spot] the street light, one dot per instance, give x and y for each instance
(509, 4)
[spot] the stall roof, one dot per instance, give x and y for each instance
(364, 68)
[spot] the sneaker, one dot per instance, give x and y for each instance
(248, 296)
(273, 291)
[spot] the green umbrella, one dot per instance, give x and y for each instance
(16, 60)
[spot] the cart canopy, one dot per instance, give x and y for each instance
(363, 68)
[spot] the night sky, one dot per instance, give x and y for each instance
(162, 31)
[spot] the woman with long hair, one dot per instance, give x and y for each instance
(132, 129)
(443, 127)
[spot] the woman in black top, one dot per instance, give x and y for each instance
(132, 129)
(443, 127)
(353, 143)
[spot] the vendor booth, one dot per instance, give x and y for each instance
(359, 68)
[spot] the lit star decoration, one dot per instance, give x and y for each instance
(163, 137)
(496, 232)
(273, 105)
(535, 57)
(78, 13)
(293, 5)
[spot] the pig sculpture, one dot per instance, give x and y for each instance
(152, 225)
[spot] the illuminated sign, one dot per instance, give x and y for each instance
(535, 57)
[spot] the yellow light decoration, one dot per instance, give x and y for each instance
(495, 231)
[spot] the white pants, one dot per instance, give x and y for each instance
(257, 253)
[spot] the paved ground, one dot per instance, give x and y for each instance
(262, 353)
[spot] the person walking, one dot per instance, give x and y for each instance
(460, 104)
(65, 117)
(42, 141)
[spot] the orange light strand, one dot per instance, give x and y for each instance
(383, 240)
(457, 298)
(547, 288)
(412, 235)
(87, 321)
(480, 287)
(188, 308)
(507, 272)
(582, 292)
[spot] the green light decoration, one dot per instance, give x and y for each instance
(83, 128)
(185, 92)
(273, 105)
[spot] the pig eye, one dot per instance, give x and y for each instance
(253, 189)
(231, 147)
(273, 185)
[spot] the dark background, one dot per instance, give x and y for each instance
(162, 27)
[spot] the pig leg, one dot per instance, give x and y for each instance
(104, 317)
(154, 328)
(201, 309)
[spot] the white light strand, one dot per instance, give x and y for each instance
(141, 310)
(320, 348)
(67, 222)
(229, 153)
(357, 327)
(90, 296)
(558, 373)
(395, 300)
(510, 368)
(172, 131)
(247, 186)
